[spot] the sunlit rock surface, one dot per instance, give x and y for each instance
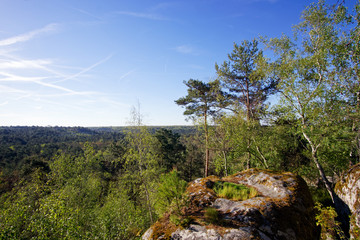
(283, 209)
(348, 189)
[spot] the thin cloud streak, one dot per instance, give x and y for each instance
(37, 80)
(86, 69)
(16, 78)
(87, 13)
(23, 64)
(142, 15)
(42, 64)
(185, 49)
(27, 36)
(126, 74)
(4, 103)
(6, 89)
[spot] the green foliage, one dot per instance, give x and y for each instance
(245, 77)
(355, 229)
(202, 98)
(119, 217)
(172, 151)
(73, 201)
(320, 195)
(232, 191)
(211, 215)
(325, 218)
(181, 220)
(170, 194)
(104, 183)
(203, 101)
(193, 166)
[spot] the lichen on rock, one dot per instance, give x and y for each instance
(348, 189)
(283, 209)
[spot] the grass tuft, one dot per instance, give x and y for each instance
(211, 215)
(232, 191)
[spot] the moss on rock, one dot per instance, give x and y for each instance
(348, 189)
(283, 209)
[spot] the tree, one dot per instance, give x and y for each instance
(346, 61)
(194, 164)
(247, 81)
(141, 160)
(203, 100)
(304, 69)
(244, 75)
(172, 150)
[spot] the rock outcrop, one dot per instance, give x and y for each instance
(282, 209)
(348, 189)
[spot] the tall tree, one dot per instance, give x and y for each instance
(346, 61)
(172, 150)
(202, 100)
(244, 75)
(249, 85)
(304, 67)
(141, 160)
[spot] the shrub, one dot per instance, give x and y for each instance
(232, 191)
(325, 218)
(170, 193)
(211, 215)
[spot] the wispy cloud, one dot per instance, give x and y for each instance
(23, 64)
(185, 49)
(6, 89)
(87, 13)
(4, 103)
(27, 36)
(126, 74)
(150, 16)
(9, 77)
(87, 69)
(42, 84)
(165, 6)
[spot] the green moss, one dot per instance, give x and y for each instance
(355, 230)
(232, 191)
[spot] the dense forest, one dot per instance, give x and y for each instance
(112, 183)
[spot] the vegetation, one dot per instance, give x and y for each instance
(326, 218)
(232, 191)
(211, 215)
(112, 183)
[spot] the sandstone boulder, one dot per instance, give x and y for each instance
(348, 189)
(282, 209)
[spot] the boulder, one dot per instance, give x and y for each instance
(282, 209)
(348, 189)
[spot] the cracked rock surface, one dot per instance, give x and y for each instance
(283, 209)
(348, 189)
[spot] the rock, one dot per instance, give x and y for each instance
(348, 189)
(283, 209)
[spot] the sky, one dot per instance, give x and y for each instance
(89, 62)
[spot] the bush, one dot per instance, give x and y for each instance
(211, 215)
(325, 218)
(232, 191)
(170, 193)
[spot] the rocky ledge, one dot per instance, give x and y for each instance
(348, 189)
(282, 209)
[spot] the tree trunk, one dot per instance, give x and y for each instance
(340, 207)
(225, 163)
(148, 203)
(206, 145)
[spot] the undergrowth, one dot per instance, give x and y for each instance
(232, 191)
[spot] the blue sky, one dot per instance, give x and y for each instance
(87, 62)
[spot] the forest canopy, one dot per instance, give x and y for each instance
(113, 183)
